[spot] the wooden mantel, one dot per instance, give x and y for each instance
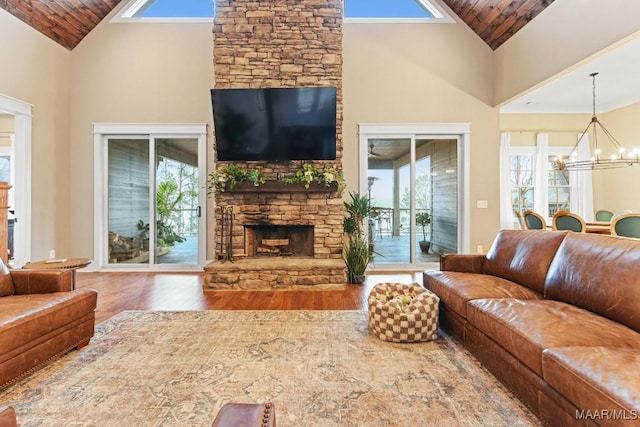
(282, 187)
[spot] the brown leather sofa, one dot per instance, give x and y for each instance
(41, 317)
(555, 316)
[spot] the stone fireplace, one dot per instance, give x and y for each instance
(280, 235)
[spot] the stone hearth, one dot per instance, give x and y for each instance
(265, 273)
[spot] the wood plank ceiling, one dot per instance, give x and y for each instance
(495, 21)
(68, 21)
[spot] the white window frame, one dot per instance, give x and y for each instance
(440, 15)
(22, 113)
(103, 130)
(563, 151)
(531, 150)
(459, 131)
(130, 8)
(521, 151)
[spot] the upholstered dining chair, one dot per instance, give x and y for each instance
(627, 225)
(565, 220)
(620, 213)
(518, 215)
(534, 221)
(603, 215)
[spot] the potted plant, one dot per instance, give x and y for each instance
(355, 250)
(356, 257)
(423, 219)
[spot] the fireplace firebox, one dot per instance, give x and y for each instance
(279, 240)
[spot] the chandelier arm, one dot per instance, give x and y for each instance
(614, 141)
(575, 147)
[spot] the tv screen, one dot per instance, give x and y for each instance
(275, 124)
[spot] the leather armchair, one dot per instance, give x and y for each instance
(8, 417)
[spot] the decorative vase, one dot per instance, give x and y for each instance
(424, 246)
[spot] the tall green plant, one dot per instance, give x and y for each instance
(356, 256)
(355, 250)
(358, 209)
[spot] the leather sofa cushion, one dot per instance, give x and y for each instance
(26, 319)
(6, 282)
(596, 378)
(527, 327)
(456, 289)
(523, 256)
(600, 274)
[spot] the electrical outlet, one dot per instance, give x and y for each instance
(482, 204)
(480, 249)
(52, 254)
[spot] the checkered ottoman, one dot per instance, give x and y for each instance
(412, 320)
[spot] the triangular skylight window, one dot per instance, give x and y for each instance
(168, 9)
(354, 9)
(385, 9)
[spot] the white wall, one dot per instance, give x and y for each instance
(36, 70)
(566, 34)
(435, 73)
(133, 73)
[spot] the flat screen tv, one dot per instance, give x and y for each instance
(275, 124)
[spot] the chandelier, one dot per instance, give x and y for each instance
(617, 158)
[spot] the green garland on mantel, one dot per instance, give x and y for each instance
(227, 177)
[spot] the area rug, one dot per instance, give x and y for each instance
(320, 368)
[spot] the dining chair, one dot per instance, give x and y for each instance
(626, 225)
(620, 213)
(604, 215)
(534, 221)
(565, 220)
(518, 215)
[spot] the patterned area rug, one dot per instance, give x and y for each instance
(320, 368)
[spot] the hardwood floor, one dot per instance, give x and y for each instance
(118, 292)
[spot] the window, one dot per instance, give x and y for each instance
(559, 188)
(359, 10)
(522, 184)
(390, 9)
(522, 161)
(163, 10)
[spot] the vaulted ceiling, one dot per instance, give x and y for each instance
(68, 21)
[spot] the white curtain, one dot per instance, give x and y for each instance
(582, 184)
(506, 210)
(541, 179)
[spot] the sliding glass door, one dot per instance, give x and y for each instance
(153, 193)
(400, 189)
(128, 208)
(412, 183)
(177, 208)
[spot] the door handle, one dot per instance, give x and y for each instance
(199, 211)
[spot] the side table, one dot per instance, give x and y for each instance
(59, 264)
